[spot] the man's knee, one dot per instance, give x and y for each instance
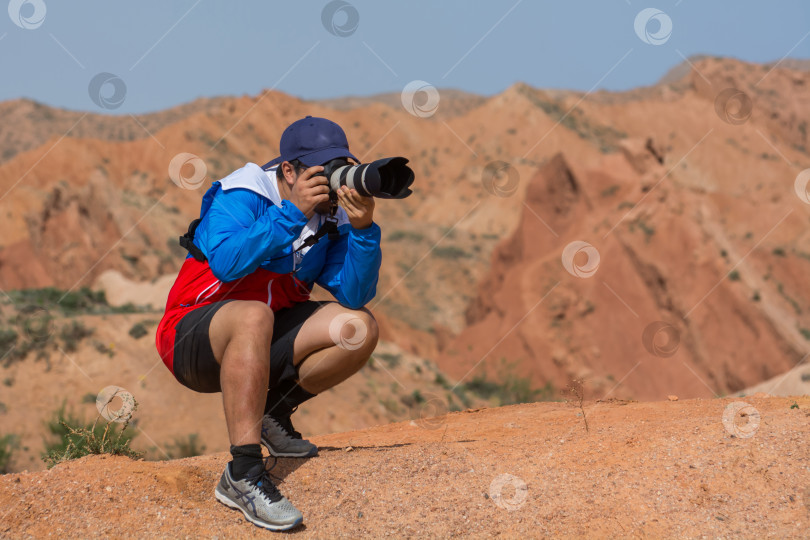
(356, 332)
(373, 334)
(252, 318)
(255, 313)
(240, 322)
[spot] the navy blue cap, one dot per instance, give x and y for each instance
(312, 141)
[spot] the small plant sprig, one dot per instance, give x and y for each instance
(86, 440)
(577, 389)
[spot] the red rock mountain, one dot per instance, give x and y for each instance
(685, 190)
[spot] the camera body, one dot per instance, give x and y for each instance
(387, 178)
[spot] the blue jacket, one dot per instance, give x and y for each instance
(245, 225)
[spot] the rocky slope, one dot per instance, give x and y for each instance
(658, 273)
(697, 468)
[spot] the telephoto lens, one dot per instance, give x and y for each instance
(388, 178)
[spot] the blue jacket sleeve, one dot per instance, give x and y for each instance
(352, 267)
(242, 229)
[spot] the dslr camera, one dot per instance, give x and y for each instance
(387, 178)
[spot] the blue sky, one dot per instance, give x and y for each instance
(171, 51)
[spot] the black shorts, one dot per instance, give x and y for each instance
(195, 366)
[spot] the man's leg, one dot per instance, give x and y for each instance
(240, 334)
(332, 345)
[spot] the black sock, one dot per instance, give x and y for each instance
(287, 396)
(245, 457)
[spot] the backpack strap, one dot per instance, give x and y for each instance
(187, 241)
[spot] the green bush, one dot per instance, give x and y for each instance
(8, 342)
(413, 236)
(441, 380)
(610, 191)
(452, 405)
(392, 360)
(71, 334)
(185, 447)
(510, 390)
(36, 334)
(36, 323)
(138, 330)
(644, 227)
(781, 289)
(390, 405)
(460, 392)
(77, 438)
(507, 388)
(70, 302)
(78, 302)
(104, 349)
(450, 252)
(8, 443)
(481, 387)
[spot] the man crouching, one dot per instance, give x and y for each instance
(239, 319)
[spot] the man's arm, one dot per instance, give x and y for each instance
(352, 267)
(243, 230)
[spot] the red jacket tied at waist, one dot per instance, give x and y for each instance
(197, 286)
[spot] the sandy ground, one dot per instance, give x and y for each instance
(666, 469)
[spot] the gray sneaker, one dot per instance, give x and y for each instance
(280, 443)
(259, 500)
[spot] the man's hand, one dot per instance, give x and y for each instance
(359, 209)
(309, 191)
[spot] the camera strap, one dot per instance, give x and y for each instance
(187, 241)
(329, 226)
